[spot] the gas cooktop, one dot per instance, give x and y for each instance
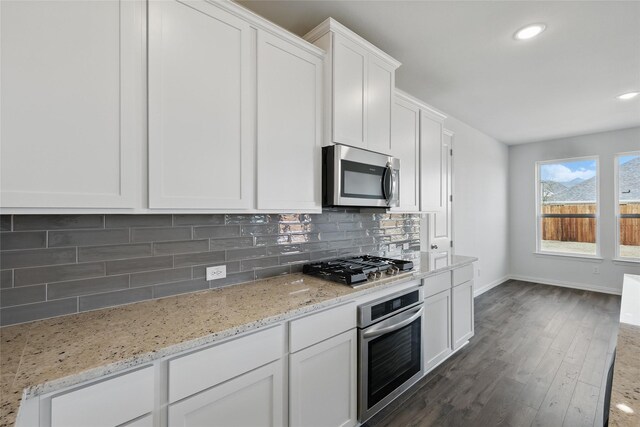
(357, 270)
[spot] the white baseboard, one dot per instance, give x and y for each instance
(491, 285)
(574, 285)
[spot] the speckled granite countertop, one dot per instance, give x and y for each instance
(436, 262)
(46, 355)
(625, 390)
(624, 410)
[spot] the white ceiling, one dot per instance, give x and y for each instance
(461, 58)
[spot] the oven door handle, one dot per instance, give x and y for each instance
(376, 332)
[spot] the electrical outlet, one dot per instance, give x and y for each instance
(596, 270)
(217, 272)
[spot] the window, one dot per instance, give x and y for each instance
(627, 168)
(567, 207)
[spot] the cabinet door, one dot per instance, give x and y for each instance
(405, 143)
(200, 107)
(323, 383)
(437, 329)
(289, 126)
(380, 102)
(439, 219)
(462, 302)
(108, 403)
(72, 102)
(432, 169)
(349, 92)
(252, 399)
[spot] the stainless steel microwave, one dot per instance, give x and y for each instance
(356, 177)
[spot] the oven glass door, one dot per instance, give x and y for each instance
(362, 181)
(393, 358)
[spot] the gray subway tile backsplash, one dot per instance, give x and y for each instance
(139, 264)
(26, 295)
(57, 273)
(56, 222)
(75, 288)
(160, 276)
(109, 299)
(160, 234)
(185, 247)
(23, 240)
(39, 310)
(168, 289)
(36, 257)
(5, 222)
(118, 221)
(59, 238)
(6, 279)
(112, 252)
(53, 265)
(198, 258)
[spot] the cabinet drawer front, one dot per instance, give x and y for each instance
(436, 284)
(318, 327)
(108, 403)
(198, 371)
(252, 399)
(462, 274)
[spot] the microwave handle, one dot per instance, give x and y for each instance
(387, 183)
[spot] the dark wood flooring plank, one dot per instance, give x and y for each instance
(556, 402)
(582, 409)
(538, 385)
(500, 404)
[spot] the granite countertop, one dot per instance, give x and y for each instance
(436, 262)
(47, 355)
(625, 390)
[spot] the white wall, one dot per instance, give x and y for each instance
(480, 208)
(574, 272)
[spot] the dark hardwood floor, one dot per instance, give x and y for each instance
(539, 357)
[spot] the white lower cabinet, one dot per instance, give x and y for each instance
(437, 329)
(252, 399)
(462, 308)
(108, 403)
(323, 381)
(146, 421)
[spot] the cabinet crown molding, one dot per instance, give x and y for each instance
(332, 25)
(261, 23)
(426, 108)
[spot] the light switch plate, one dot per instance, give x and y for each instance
(217, 272)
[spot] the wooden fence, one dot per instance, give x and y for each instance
(584, 229)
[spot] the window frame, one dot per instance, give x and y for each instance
(539, 216)
(617, 215)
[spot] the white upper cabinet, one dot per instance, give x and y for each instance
(349, 93)
(405, 144)
(380, 104)
(72, 102)
(433, 162)
(235, 111)
(359, 86)
(201, 92)
(289, 126)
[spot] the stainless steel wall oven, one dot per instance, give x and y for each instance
(389, 349)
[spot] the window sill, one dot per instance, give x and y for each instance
(590, 258)
(626, 261)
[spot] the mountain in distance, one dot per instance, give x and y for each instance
(573, 182)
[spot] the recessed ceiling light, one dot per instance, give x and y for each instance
(529, 32)
(628, 95)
